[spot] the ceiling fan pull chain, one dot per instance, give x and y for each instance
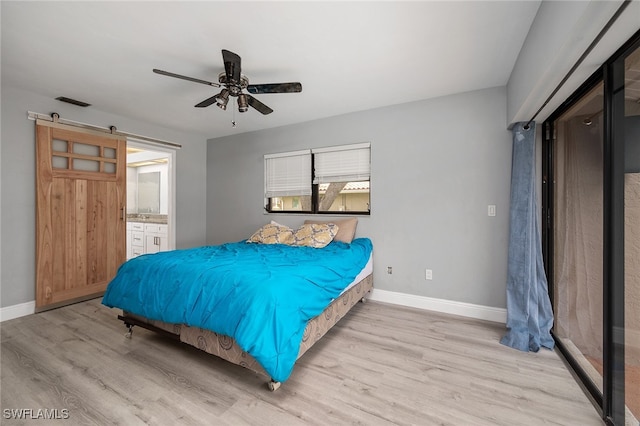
(233, 121)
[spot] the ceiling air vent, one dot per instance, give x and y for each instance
(72, 101)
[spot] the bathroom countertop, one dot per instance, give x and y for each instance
(148, 218)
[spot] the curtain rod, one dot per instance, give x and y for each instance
(112, 130)
(593, 44)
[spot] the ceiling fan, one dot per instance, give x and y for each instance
(233, 82)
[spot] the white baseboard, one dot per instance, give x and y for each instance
(17, 311)
(441, 305)
(421, 302)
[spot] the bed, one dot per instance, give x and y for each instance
(260, 303)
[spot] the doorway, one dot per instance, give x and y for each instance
(591, 202)
(150, 198)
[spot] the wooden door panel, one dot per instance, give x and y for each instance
(77, 232)
(115, 238)
(59, 234)
(80, 223)
(95, 235)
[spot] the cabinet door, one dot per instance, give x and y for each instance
(150, 245)
(154, 243)
(155, 238)
(164, 242)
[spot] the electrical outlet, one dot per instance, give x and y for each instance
(389, 270)
(428, 274)
(491, 210)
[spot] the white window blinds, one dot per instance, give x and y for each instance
(347, 163)
(287, 174)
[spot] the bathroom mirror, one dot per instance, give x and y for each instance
(149, 192)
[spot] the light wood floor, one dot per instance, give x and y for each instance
(382, 364)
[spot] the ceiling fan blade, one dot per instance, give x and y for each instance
(275, 88)
(231, 65)
(207, 102)
(259, 106)
(184, 77)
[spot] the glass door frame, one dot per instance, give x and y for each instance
(611, 401)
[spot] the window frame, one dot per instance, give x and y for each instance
(315, 186)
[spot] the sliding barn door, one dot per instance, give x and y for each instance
(80, 221)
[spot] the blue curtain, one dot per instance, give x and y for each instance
(529, 313)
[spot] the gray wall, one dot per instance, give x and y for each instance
(17, 177)
(436, 165)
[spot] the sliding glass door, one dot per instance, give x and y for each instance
(591, 202)
(629, 101)
(578, 232)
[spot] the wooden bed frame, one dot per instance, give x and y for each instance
(226, 348)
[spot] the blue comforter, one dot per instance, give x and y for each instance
(261, 295)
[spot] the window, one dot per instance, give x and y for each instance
(287, 180)
(342, 176)
(324, 180)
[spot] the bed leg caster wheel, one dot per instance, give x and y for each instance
(273, 385)
(129, 332)
(363, 300)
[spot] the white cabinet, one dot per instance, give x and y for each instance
(145, 238)
(155, 238)
(136, 247)
(137, 243)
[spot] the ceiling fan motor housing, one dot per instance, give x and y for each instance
(235, 88)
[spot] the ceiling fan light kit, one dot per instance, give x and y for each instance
(243, 105)
(234, 84)
(222, 99)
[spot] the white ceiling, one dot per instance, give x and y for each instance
(349, 56)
